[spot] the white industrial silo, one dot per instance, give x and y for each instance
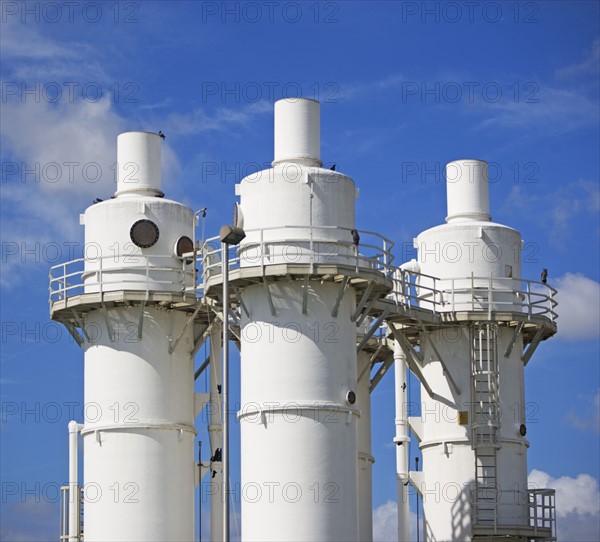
(472, 428)
(131, 305)
(302, 288)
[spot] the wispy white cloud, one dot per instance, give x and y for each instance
(577, 505)
(587, 416)
(28, 521)
(589, 65)
(578, 308)
(58, 155)
(198, 120)
(559, 106)
(558, 111)
(556, 209)
(360, 89)
(385, 523)
(28, 55)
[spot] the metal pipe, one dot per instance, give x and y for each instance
(216, 434)
(401, 440)
(73, 482)
(225, 389)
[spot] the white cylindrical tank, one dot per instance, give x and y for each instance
(296, 211)
(477, 265)
(138, 159)
(446, 445)
(477, 261)
(139, 470)
(138, 436)
(132, 240)
(297, 214)
(467, 190)
(298, 131)
(298, 429)
(298, 367)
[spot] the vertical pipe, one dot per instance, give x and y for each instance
(365, 459)
(216, 435)
(225, 390)
(73, 482)
(402, 439)
(199, 491)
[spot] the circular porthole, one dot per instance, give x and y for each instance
(351, 397)
(144, 233)
(184, 245)
(522, 430)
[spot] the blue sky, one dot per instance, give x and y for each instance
(405, 88)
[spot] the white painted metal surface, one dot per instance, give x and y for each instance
(468, 246)
(138, 436)
(467, 190)
(365, 457)
(297, 214)
(298, 430)
(112, 260)
(139, 431)
(138, 159)
(402, 441)
(74, 494)
(215, 434)
(298, 131)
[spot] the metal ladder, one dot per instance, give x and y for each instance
(485, 422)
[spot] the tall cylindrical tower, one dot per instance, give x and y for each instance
(302, 284)
(298, 426)
(138, 436)
(472, 428)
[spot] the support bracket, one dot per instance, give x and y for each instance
(183, 329)
(269, 298)
(533, 345)
(202, 367)
(141, 320)
(341, 292)
(387, 363)
(447, 372)
(80, 324)
(513, 340)
(305, 294)
(363, 301)
(238, 295)
(75, 334)
(372, 330)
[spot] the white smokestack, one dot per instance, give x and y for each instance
(138, 157)
(467, 190)
(298, 131)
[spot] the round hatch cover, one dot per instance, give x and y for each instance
(144, 233)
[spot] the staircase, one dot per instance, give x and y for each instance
(485, 422)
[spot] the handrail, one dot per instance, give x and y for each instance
(472, 293)
(543, 510)
(410, 289)
(341, 251)
(71, 278)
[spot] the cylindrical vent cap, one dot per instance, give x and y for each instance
(298, 131)
(467, 190)
(138, 158)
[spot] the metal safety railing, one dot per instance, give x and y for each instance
(543, 512)
(102, 274)
(267, 246)
(68, 531)
(485, 294)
